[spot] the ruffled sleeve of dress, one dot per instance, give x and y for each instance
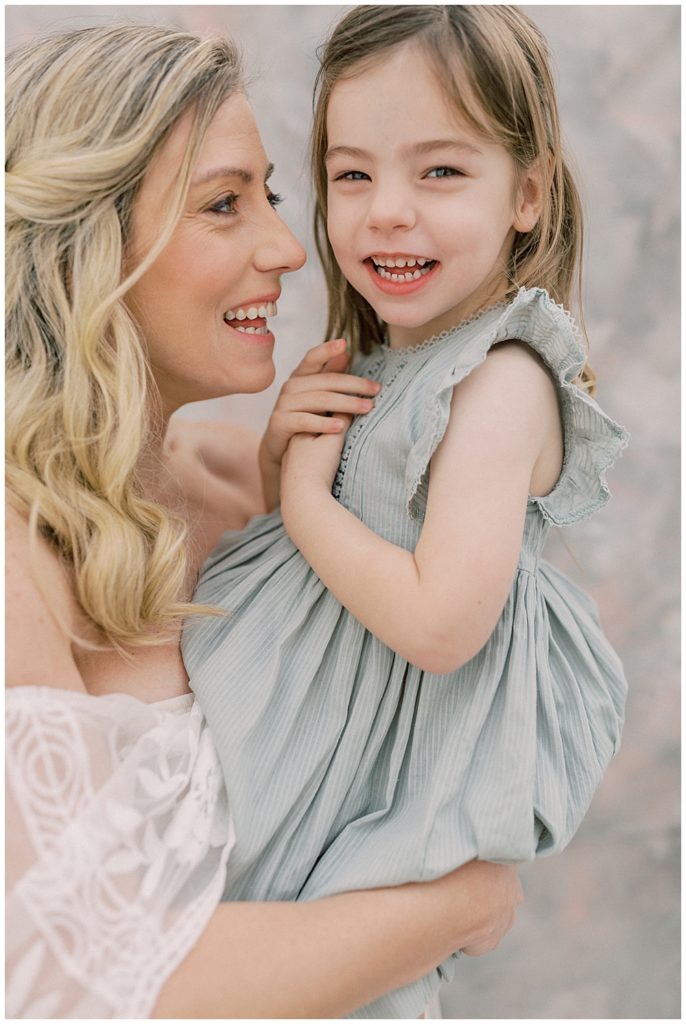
(592, 441)
(118, 834)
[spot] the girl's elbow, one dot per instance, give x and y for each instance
(444, 655)
(440, 659)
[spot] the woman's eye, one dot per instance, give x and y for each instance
(274, 198)
(443, 172)
(352, 176)
(225, 205)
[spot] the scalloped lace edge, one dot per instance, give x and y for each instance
(560, 314)
(447, 333)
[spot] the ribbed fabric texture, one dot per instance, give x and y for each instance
(346, 766)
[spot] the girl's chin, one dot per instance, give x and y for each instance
(413, 327)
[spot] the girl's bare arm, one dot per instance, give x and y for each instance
(438, 605)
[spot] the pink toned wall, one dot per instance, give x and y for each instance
(598, 935)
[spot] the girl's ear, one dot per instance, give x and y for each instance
(531, 192)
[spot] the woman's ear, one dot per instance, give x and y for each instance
(531, 190)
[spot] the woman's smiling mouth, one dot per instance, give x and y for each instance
(251, 318)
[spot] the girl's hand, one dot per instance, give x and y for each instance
(318, 387)
(310, 462)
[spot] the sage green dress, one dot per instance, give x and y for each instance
(346, 766)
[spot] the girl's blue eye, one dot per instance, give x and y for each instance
(443, 172)
(352, 176)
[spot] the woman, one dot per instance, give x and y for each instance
(138, 217)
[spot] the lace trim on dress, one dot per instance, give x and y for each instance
(119, 837)
(592, 441)
(436, 339)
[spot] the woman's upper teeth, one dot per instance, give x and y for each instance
(400, 261)
(251, 312)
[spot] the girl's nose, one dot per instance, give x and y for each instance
(279, 249)
(389, 209)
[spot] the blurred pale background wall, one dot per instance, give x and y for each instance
(598, 935)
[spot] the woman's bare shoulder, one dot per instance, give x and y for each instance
(226, 443)
(37, 650)
(217, 462)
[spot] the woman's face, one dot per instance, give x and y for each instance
(204, 303)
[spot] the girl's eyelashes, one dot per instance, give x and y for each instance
(275, 198)
(434, 172)
(351, 176)
(443, 172)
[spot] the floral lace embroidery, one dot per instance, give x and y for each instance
(121, 833)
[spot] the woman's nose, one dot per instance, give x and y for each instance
(280, 250)
(390, 208)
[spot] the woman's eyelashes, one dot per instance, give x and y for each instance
(227, 206)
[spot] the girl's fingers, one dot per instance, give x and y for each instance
(326, 401)
(308, 423)
(344, 383)
(337, 364)
(316, 359)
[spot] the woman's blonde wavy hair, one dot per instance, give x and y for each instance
(86, 112)
(493, 65)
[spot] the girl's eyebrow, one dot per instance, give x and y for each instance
(416, 149)
(345, 151)
(247, 177)
(461, 144)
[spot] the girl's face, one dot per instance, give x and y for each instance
(220, 272)
(422, 210)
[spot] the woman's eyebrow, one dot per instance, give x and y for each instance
(247, 177)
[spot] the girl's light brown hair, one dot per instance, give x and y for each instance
(494, 67)
(86, 112)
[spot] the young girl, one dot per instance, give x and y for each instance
(450, 695)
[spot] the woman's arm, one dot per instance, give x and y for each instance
(328, 957)
(438, 605)
(315, 959)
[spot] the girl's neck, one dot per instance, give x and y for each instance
(409, 337)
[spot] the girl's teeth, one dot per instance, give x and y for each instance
(400, 261)
(252, 330)
(410, 276)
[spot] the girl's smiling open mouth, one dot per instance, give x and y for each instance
(400, 274)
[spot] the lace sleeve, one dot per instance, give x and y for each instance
(118, 833)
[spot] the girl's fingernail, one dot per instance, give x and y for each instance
(339, 343)
(338, 424)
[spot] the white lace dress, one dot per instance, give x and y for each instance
(118, 834)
